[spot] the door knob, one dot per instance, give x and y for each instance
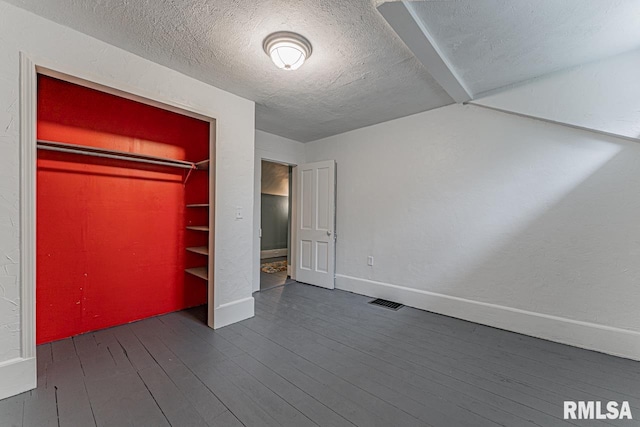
(328, 232)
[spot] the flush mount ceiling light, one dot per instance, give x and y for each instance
(287, 50)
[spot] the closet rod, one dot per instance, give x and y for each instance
(112, 154)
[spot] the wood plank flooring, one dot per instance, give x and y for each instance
(272, 280)
(316, 357)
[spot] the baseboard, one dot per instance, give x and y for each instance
(273, 253)
(233, 312)
(591, 336)
(17, 376)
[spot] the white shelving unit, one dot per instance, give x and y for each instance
(201, 272)
(204, 228)
(203, 165)
(200, 250)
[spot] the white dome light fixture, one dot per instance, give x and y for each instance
(287, 50)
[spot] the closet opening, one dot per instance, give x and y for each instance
(124, 209)
(275, 224)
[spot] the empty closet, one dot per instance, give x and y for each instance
(124, 210)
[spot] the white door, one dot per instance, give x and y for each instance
(315, 231)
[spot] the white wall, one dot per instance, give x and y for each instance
(603, 96)
(277, 149)
(94, 60)
(494, 218)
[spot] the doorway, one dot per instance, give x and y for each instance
(275, 224)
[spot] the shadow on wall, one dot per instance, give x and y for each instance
(573, 253)
(581, 255)
(502, 210)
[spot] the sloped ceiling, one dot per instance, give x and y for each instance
(496, 43)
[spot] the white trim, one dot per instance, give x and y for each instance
(18, 375)
(50, 68)
(28, 99)
(273, 253)
(407, 24)
(257, 219)
(233, 312)
(284, 159)
(30, 67)
(212, 289)
(293, 230)
(592, 336)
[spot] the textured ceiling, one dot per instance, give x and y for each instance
(496, 43)
(360, 73)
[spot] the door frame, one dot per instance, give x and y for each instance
(30, 67)
(283, 160)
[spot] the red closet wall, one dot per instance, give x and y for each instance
(111, 234)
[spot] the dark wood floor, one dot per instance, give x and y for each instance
(316, 357)
(272, 280)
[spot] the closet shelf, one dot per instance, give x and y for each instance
(198, 205)
(198, 227)
(113, 154)
(203, 165)
(202, 250)
(201, 272)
